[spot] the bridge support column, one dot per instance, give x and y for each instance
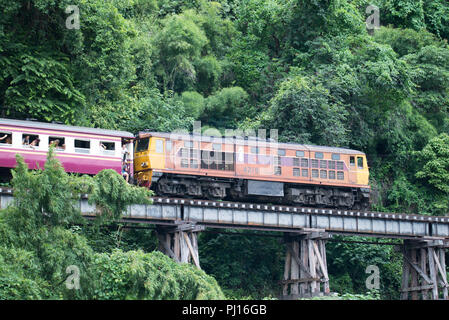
(424, 270)
(305, 271)
(180, 242)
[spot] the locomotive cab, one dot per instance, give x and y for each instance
(359, 165)
(149, 155)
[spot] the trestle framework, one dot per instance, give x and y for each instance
(180, 242)
(305, 271)
(424, 270)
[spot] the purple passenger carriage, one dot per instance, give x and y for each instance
(79, 149)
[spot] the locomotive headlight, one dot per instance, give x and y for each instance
(144, 164)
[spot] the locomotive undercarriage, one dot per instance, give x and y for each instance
(235, 190)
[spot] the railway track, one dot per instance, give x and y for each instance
(275, 217)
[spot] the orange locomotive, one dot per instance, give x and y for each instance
(198, 166)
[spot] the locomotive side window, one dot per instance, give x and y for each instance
(168, 146)
(335, 156)
(296, 162)
(304, 163)
(142, 144)
(323, 164)
(82, 146)
(300, 154)
(360, 162)
(305, 172)
(352, 161)
(319, 155)
(278, 171)
(5, 138)
(323, 174)
(30, 140)
(194, 163)
(216, 146)
(340, 175)
(315, 173)
(331, 164)
(277, 161)
(159, 146)
(281, 152)
(331, 174)
(296, 172)
(255, 150)
(314, 163)
(340, 165)
(57, 142)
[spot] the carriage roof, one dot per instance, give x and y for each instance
(62, 127)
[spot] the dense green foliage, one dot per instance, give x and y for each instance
(308, 68)
(39, 242)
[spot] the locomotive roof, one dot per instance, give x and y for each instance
(251, 141)
(62, 127)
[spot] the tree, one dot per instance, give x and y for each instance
(225, 108)
(40, 243)
(178, 44)
(305, 112)
(434, 158)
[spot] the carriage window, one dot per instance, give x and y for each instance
(305, 172)
(30, 140)
(335, 156)
(278, 171)
(314, 163)
(331, 174)
(281, 152)
(323, 164)
(142, 145)
(314, 173)
(360, 162)
(5, 138)
(319, 155)
(106, 147)
(331, 164)
(300, 153)
(57, 142)
(296, 172)
(159, 146)
(82, 146)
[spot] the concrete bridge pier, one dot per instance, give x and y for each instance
(424, 270)
(180, 242)
(305, 271)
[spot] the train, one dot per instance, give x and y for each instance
(190, 165)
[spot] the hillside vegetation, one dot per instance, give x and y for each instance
(308, 68)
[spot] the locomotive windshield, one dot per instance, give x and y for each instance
(142, 144)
